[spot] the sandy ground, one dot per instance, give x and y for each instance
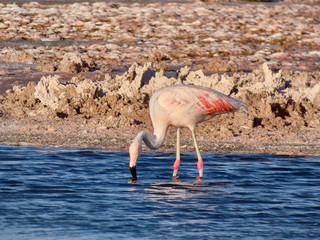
(81, 75)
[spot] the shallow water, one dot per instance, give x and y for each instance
(50, 193)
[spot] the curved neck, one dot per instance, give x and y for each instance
(153, 142)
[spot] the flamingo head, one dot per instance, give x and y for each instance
(134, 151)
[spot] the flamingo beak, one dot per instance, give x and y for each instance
(134, 155)
(133, 171)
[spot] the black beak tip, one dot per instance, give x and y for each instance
(133, 171)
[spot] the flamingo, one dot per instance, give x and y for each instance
(180, 106)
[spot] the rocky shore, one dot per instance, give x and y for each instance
(81, 75)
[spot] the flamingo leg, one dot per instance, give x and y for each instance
(177, 162)
(200, 161)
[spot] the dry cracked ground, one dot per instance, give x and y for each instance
(81, 75)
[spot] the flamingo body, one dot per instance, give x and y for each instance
(181, 106)
(187, 105)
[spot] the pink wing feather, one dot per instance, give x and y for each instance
(218, 104)
(204, 101)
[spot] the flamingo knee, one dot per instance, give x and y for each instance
(200, 167)
(176, 166)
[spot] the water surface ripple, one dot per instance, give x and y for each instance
(48, 193)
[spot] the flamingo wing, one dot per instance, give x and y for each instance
(194, 99)
(212, 102)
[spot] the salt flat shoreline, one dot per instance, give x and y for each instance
(81, 75)
(121, 143)
(71, 134)
(50, 2)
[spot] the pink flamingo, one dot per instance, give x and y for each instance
(181, 106)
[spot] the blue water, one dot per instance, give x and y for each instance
(48, 193)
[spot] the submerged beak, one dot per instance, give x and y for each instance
(133, 171)
(134, 151)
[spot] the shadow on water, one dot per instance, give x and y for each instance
(179, 189)
(184, 192)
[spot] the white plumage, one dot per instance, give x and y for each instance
(181, 106)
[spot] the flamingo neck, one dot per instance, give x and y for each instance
(153, 142)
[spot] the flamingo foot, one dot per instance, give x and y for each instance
(199, 179)
(175, 178)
